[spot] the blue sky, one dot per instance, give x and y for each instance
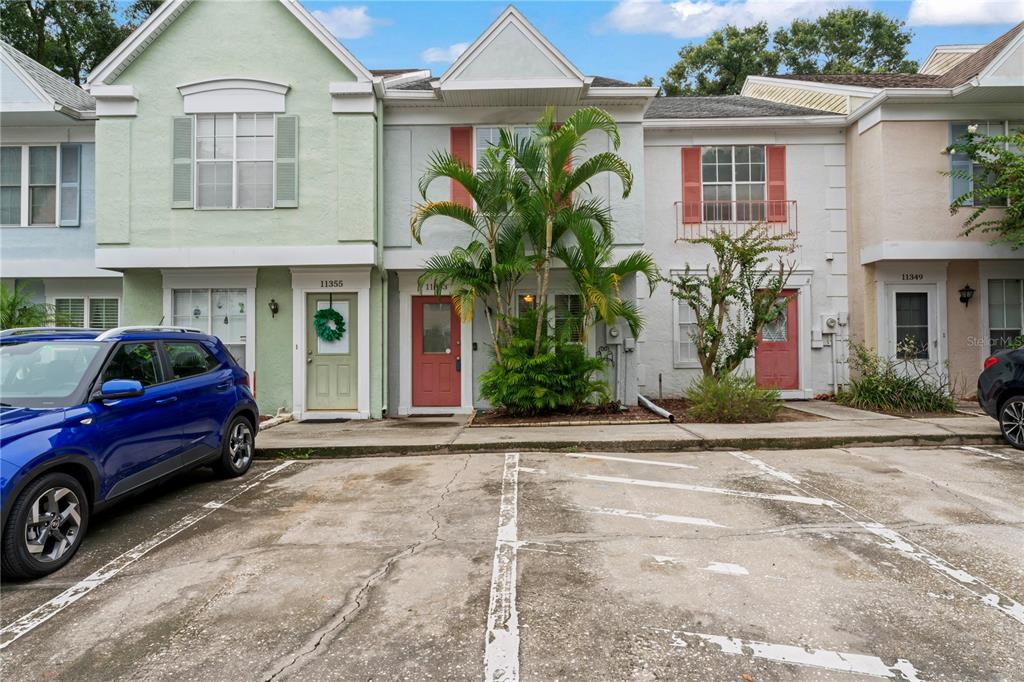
(627, 38)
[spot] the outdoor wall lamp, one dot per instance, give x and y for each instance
(966, 294)
(274, 308)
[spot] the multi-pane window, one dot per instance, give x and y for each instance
(912, 328)
(1005, 312)
(733, 183)
(569, 311)
(40, 184)
(490, 137)
(99, 313)
(964, 173)
(221, 312)
(235, 161)
(685, 328)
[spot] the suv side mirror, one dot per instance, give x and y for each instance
(117, 389)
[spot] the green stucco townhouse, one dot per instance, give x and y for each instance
(237, 173)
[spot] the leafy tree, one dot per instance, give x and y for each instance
(733, 299)
(17, 309)
(842, 41)
(70, 36)
(846, 41)
(646, 82)
(720, 64)
(996, 199)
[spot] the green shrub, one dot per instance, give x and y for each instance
(894, 385)
(562, 377)
(731, 399)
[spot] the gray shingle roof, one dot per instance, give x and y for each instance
(421, 84)
(63, 91)
(724, 106)
(605, 82)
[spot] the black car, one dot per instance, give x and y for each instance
(1001, 393)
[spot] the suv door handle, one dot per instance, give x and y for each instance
(167, 401)
(224, 385)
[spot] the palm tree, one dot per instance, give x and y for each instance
(599, 279)
(543, 163)
(18, 310)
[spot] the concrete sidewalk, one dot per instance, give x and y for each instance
(426, 435)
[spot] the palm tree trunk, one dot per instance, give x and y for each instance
(542, 296)
(494, 338)
(499, 332)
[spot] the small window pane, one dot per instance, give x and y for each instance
(437, 328)
(135, 361)
(43, 205)
(214, 185)
(10, 205)
(189, 359)
(256, 184)
(912, 325)
(103, 313)
(204, 125)
(10, 166)
(69, 312)
(228, 323)
(42, 165)
(191, 308)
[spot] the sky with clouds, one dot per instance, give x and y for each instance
(625, 39)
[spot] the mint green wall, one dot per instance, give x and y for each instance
(378, 389)
(273, 340)
(143, 301)
(236, 39)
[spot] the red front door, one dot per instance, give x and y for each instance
(436, 352)
(777, 356)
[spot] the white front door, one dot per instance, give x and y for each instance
(913, 328)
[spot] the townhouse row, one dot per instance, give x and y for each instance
(240, 186)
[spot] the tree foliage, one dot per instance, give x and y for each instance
(734, 298)
(996, 200)
(17, 309)
(842, 41)
(70, 37)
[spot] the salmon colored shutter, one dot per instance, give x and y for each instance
(462, 150)
(691, 185)
(778, 210)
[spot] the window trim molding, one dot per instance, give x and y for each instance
(51, 300)
(733, 183)
(234, 95)
(26, 193)
(1006, 123)
(234, 164)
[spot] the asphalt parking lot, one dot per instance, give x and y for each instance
(872, 563)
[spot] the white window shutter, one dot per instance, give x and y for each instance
(286, 162)
(70, 184)
(181, 182)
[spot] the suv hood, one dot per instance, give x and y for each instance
(16, 422)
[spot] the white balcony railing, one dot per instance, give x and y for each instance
(698, 219)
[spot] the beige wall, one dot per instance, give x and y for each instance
(964, 326)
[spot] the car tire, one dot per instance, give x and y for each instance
(1011, 421)
(34, 548)
(237, 449)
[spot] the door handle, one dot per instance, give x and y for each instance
(458, 363)
(224, 385)
(167, 401)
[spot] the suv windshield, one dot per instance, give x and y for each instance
(46, 373)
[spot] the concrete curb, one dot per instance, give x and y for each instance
(331, 451)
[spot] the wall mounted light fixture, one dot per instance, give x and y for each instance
(274, 308)
(966, 294)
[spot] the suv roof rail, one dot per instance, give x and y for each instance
(19, 331)
(146, 328)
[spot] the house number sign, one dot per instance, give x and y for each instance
(331, 283)
(912, 276)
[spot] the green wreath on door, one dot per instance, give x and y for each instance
(329, 324)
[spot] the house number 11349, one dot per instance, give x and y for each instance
(331, 283)
(912, 276)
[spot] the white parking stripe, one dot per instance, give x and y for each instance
(45, 612)
(770, 470)
(713, 567)
(896, 542)
(667, 518)
(798, 655)
(798, 499)
(987, 453)
(652, 462)
(501, 645)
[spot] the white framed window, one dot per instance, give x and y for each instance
(963, 171)
(234, 161)
(733, 183)
(1005, 312)
(99, 312)
(489, 136)
(684, 325)
(569, 309)
(221, 312)
(40, 185)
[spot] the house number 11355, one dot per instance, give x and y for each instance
(331, 283)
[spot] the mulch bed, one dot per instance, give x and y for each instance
(594, 416)
(680, 408)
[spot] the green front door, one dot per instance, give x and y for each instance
(332, 376)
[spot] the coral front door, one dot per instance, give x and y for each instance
(436, 352)
(332, 375)
(777, 356)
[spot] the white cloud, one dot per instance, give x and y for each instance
(693, 18)
(445, 55)
(347, 21)
(961, 12)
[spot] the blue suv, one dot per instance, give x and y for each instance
(88, 417)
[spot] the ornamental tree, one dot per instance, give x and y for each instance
(995, 200)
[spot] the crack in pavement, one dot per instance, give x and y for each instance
(341, 618)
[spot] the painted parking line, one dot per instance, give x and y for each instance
(838, 661)
(713, 567)
(798, 499)
(630, 460)
(766, 468)
(45, 612)
(501, 644)
(989, 595)
(987, 453)
(649, 516)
